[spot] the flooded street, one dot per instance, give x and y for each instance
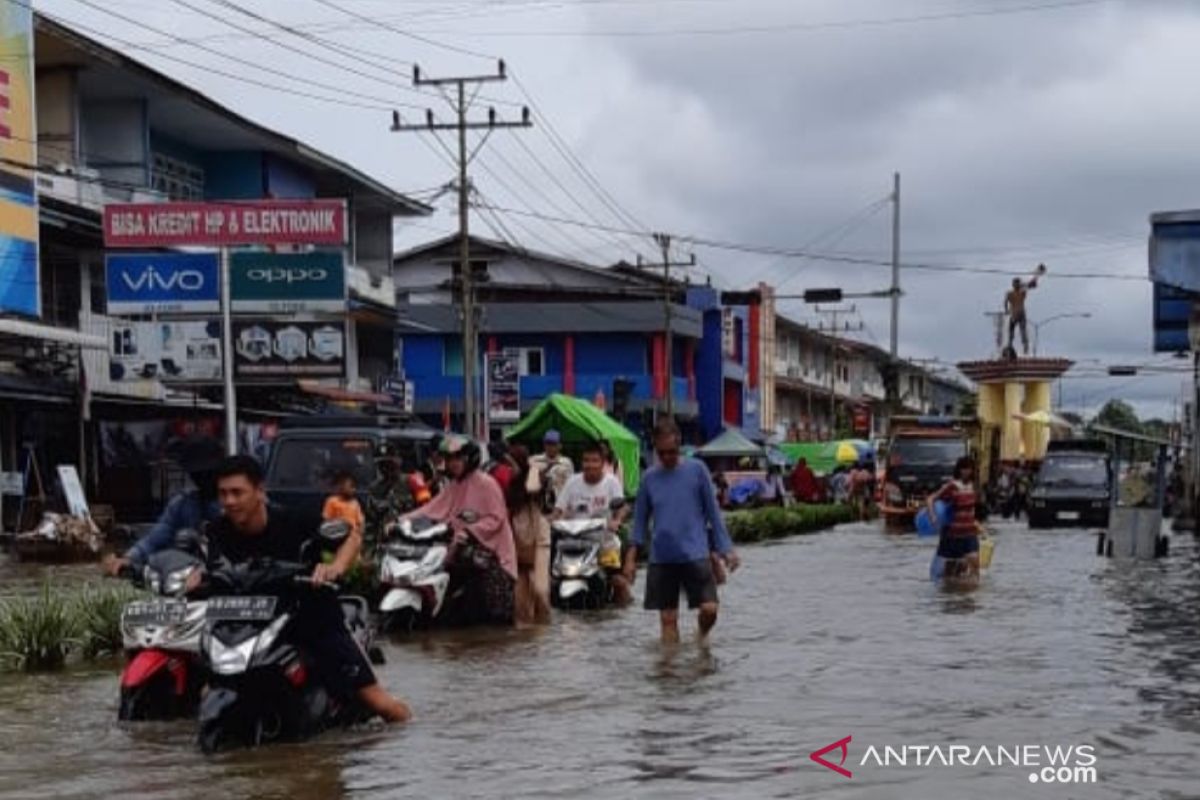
(821, 637)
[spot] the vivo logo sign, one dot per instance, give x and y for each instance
(162, 282)
(288, 275)
(186, 280)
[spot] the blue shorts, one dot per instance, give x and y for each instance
(957, 546)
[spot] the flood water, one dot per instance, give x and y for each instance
(821, 637)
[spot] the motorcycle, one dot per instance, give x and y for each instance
(262, 685)
(578, 574)
(163, 675)
(412, 569)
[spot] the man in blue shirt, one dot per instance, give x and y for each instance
(678, 502)
(199, 457)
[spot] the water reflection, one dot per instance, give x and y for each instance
(819, 638)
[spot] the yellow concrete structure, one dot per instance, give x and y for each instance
(1009, 388)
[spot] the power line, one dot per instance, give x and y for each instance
(589, 179)
(341, 90)
(564, 233)
(763, 249)
(783, 27)
(206, 68)
(380, 23)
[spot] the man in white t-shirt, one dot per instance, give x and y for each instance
(591, 493)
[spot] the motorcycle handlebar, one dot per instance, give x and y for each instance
(306, 580)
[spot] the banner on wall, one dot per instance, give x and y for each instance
(166, 351)
(503, 387)
(162, 283)
(19, 273)
(284, 350)
(285, 283)
(215, 224)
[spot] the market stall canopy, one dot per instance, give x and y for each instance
(731, 443)
(578, 421)
(824, 457)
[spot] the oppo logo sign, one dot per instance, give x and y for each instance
(271, 275)
(188, 280)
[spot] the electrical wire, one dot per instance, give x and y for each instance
(779, 27)
(384, 103)
(763, 249)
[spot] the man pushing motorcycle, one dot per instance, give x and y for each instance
(251, 528)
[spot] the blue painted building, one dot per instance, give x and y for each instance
(731, 369)
(590, 332)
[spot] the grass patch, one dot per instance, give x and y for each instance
(99, 610)
(37, 633)
(42, 632)
(765, 524)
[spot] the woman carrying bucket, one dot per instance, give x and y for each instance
(959, 541)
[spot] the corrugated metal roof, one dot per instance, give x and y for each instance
(622, 317)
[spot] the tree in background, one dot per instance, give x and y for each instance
(1120, 415)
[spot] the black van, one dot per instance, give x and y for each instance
(309, 451)
(1073, 486)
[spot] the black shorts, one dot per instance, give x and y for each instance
(340, 663)
(665, 581)
(957, 546)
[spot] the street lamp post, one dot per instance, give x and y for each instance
(1037, 326)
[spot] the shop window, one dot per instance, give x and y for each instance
(177, 179)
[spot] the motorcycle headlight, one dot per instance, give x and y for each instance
(177, 580)
(572, 570)
(229, 659)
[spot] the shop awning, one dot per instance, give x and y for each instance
(35, 389)
(50, 333)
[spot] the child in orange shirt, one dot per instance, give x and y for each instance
(343, 504)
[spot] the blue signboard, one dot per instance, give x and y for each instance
(1173, 315)
(157, 283)
(1175, 250)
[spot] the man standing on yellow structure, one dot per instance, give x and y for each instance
(1014, 306)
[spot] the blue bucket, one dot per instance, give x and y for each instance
(928, 527)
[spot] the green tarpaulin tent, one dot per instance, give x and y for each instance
(824, 457)
(731, 443)
(579, 421)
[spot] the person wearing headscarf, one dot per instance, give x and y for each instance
(483, 553)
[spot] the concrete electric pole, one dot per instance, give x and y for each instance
(465, 283)
(835, 329)
(663, 240)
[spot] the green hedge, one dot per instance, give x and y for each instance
(776, 523)
(41, 632)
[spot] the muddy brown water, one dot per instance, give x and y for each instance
(821, 637)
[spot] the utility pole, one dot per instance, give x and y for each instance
(895, 350)
(663, 240)
(465, 283)
(834, 314)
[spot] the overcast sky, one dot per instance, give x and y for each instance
(1025, 131)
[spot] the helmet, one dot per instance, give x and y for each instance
(461, 446)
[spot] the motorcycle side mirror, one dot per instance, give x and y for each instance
(334, 531)
(189, 540)
(468, 516)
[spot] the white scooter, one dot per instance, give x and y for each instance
(577, 578)
(412, 569)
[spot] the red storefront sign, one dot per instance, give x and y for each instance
(862, 420)
(225, 223)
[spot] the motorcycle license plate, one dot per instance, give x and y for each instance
(1068, 515)
(245, 609)
(154, 612)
